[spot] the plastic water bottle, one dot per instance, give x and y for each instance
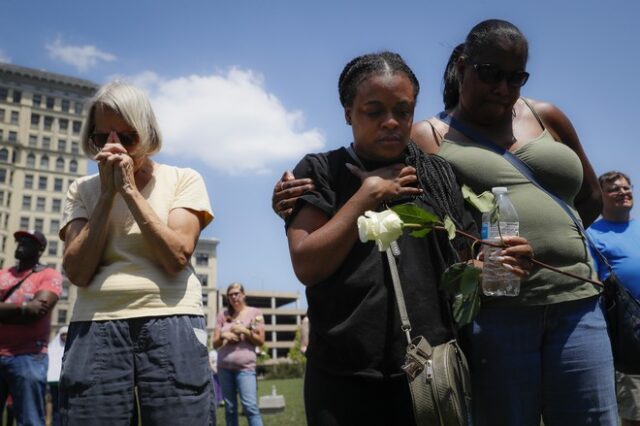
(496, 279)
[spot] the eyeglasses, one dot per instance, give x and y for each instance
(492, 74)
(126, 138)
(237, 294)
(619, 189)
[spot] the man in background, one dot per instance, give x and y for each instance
(28, 293)
(616, 236)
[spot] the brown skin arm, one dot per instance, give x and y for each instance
(588, 202)
(42, 303)
(423, 135)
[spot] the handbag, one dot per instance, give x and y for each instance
(438, 376)
(621, 309)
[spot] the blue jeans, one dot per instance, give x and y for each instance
(245, 384)
(166, 358)
(25, 378)
(552, 360)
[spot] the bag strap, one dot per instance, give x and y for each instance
(397, 290)
(525, 170)
(8, 294)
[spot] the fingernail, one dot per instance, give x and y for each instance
(348, 166)
(507, 267)
(497, 258)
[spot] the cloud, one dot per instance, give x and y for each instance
(81, 57)
(4, 57)
(227, 120)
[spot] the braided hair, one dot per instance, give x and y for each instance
(361, 67)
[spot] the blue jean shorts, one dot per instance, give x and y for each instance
(165, 358)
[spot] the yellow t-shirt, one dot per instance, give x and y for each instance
(129, 282)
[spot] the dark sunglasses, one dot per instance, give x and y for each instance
(126, 138)
(492, 74)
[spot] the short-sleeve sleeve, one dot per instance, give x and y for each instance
(50, 280)
(220, 320)
(316, 168)
(191, 193)
(74, 207)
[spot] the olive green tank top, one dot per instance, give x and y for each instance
(552, 234)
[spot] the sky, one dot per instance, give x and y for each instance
(243, 89)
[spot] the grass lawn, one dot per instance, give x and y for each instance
(293, 414)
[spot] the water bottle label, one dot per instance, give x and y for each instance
(506, 228)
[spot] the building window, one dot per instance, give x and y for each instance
(62, 316)
(36, 100)
(205, 299)
(28, 181)
(77, 125)
(204, 278)
(75, 148)
(24, 223)
(64, 295)
(62, 145)
(33, 140)
(42, 182)
(17, 96)
(46, 142)
(1, 198)
(40, 201)
(35, 120)
(1, 115)
(4, 154)
(59, 164)
(26, 202)
(78, 108)
(3, 93)
(39, 224)
(63, 124)
(3, 175)
(202, 259)
(15, 117)
(57, 185)
(13, 137)
(50, 102)
(44, 162)
(52, 248)
(69, 182)
(56, 205)
(48, 122)
(31, 160)
(1, 134)
(73, 166)
(54, 226)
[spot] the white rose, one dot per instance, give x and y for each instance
(383, 228)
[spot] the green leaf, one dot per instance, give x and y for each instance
(419, 233)
(450, 227)
(466, 307)
(470, 279)
(411, 213)
(483, 202)
(450, 280)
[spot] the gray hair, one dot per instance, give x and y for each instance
(133, 105)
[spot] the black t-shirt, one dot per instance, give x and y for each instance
(353, 316)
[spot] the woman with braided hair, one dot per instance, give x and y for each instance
(356, 344)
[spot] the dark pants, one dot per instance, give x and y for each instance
(165, 357)
(345, 401)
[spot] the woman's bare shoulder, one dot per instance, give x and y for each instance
(427, 135)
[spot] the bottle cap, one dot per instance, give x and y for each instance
(499, 190)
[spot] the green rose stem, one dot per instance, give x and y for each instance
(440, 227)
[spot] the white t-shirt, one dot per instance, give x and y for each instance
(129, 282)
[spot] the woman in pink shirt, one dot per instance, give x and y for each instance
(239, 331)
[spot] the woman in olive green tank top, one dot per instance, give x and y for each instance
(546, 352)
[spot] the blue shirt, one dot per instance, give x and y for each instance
(619, 242)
